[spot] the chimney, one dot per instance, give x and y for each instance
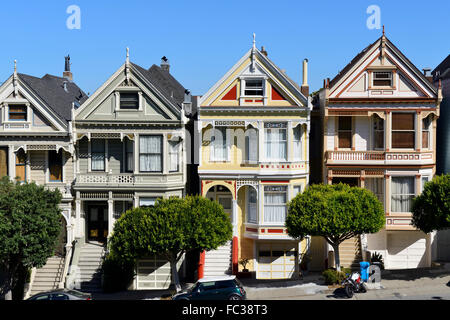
(165, 64)
(263, 51)
(67, 74)
(305, 87)
(427, 74)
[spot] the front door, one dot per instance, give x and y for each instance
(98, 223)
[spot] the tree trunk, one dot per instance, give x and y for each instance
(176, 279)
(337, 260)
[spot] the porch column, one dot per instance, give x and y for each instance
(78, 215)
(234, 215)
(387, 131)
(110, 214)
(418, 131)
(11, 162)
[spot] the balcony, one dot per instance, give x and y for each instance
(126, 180)
(379, 157)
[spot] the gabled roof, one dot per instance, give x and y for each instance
(390, 45)
(164, 82)
(51, 90)
(269, 64)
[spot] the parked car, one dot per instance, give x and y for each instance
(214, 288)
(61, 294)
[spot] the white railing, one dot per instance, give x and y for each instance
(106, 178)
(345, 156)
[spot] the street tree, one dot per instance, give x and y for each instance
(29, 228)
(171, 228)
(335, 212)
(431, 209)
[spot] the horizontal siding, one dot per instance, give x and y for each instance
(37, 166)
(68, 168)
(83, 155)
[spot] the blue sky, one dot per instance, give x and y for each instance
(203, 39)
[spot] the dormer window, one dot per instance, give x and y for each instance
(254, 87)
(382, 79)
(17, 112)
(129, 100)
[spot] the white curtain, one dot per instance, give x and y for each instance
(252, 207)
(402, 194)
(219, 145)
(251, 145)
(97, 155)
(150, 153)
(173, 155)
(297, 142)
(376, 186)
(274, 207)
(275, 144)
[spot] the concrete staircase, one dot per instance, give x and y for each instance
(350, 253)
(218, 262)
(88, 275)
(49, 276)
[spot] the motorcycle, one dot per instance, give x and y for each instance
(353, 283)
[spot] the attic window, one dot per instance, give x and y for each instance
(254, 88)
(129, 100)
(382, 79)
(18, 113)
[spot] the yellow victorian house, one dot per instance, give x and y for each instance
(253, 128)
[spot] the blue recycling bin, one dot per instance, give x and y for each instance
(364, 270)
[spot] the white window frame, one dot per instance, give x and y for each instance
(427, 129)
(174, 150)
(226, 145)
(391, 78)
(375, 130)
(283, 126)
(413, 194)
(265, 205)
(247, 197)
(297, 156)
(161, 153)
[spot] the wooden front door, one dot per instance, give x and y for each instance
(97, 223)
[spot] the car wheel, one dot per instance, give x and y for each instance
(235, 297)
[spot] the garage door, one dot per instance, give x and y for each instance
(277, 261)
(406, 250)
(443, 245)
(153, 273)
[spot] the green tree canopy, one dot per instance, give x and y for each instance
(170, 228)
(335, 212)
(29, 227)
(431, 209)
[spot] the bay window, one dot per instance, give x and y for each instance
(403, 130)
(275, 141)
(251, 145)
(251, 205)
(150, 153)
(378, 133)
(426, 124)
(345, 132)
(98, 155)
(174, 151)
(55, 165)
(129, 159)
(297, 141)
(275, 200)
(402, 193)
(219, 144)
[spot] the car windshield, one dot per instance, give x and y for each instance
(76, 293)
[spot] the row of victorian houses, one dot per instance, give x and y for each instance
(253, 141)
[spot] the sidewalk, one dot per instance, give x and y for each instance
(405, 280)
